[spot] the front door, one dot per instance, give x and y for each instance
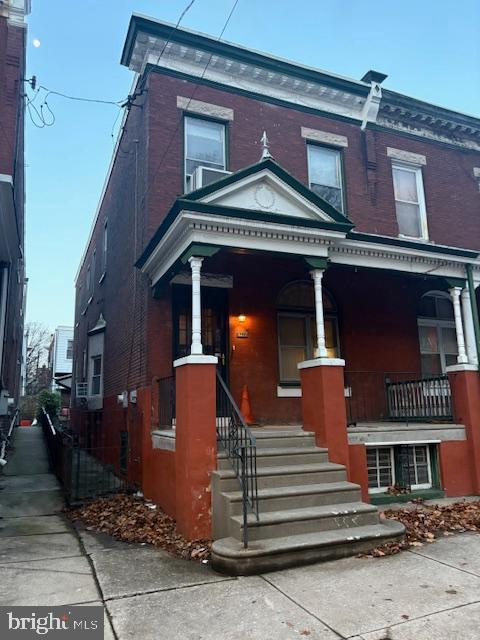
(214, 323)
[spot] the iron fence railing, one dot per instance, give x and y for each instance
(240, 446)
(166, 402)
(428, 398)
(377, 395)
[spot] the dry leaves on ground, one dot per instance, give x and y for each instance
(424, 524)
(131, 519)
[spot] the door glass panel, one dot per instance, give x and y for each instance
(428, 339)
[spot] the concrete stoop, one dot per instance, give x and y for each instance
(308, 511)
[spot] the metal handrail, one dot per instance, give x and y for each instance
(240, 446)
(49, 420)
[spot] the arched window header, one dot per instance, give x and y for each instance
(437, 305)
(301, 295)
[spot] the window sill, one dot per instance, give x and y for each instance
(289, 391)
(402, 236)
(102, 277)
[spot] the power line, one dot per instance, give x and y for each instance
(162, 159)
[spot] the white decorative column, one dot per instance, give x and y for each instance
(469, 329)
(317, 275)
(196, 265)
(455, 295)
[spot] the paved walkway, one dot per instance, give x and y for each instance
(430, 593)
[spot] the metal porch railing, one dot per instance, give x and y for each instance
(428, 398)
(240, 446)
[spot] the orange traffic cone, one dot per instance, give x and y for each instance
(245, 409)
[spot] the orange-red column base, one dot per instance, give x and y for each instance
(195, 444)
(323, 406)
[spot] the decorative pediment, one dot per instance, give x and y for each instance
(267, 188)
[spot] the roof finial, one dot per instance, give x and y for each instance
(265, 147)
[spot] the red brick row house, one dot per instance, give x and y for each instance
(309, 242)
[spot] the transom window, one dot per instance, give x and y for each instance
(437, 334)
(204, 146)
(409, 201)
(297, 329)
(325, 174)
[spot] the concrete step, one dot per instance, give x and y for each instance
(285, 475)
(277, 438)
(290, 522)
(229, 555)
(272, 457)
(309, 495)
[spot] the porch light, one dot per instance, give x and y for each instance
(242, 317)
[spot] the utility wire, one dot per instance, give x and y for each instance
(172, 138)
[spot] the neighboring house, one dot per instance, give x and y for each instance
(60, 356)
(12, 198)
(326, 233)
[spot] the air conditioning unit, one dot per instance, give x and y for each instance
(82, 390)
(203, 176)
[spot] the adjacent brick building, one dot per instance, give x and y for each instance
(12, 201)
(307, 219)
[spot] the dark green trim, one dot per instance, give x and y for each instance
(454, 282)
(317, 263)
(281, 173)
(199, 250)
(261, 97)
(411, 244)
(387, 498)
(473, 303)
(244, 55)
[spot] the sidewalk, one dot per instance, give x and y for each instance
(429, 593)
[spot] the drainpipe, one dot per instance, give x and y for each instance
(473, 303)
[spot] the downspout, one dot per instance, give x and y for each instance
(3, 314)
(473, 303)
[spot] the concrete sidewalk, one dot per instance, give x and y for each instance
(429, 593)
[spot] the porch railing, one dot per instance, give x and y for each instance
(375, 395)
(240, 446)
(428, 398)
(166, 402)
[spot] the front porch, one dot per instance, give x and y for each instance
(317, 326)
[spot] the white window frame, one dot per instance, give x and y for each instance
(98, 375)
(223, 126)
(423, 485)
(104, 250)
(312, 146)
(69, 342)
(382, 489)
(422, 208)
(438, 324)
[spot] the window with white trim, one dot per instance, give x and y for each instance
(297, 328)
(204, 146)
(409, 201)
(419, 467)
(437, 333)
(381, 468)
(96, 379)
(325, 174)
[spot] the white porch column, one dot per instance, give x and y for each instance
(317, 275)
(455, 295)
(196, 265)
(469, 329)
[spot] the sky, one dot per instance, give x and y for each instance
(430, 50)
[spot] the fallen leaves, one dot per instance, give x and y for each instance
(131, 519)
(424, 524)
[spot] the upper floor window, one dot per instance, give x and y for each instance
(204, 146)
(325, 174)
(409, 201)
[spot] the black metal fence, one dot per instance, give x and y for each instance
(166, 402)
(240, 446)
(85, 472)
(377, 395)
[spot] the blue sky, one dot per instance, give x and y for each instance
(430, 50)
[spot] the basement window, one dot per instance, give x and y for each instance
(407, 466)
(381, 468)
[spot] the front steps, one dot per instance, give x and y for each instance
(308, 511)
